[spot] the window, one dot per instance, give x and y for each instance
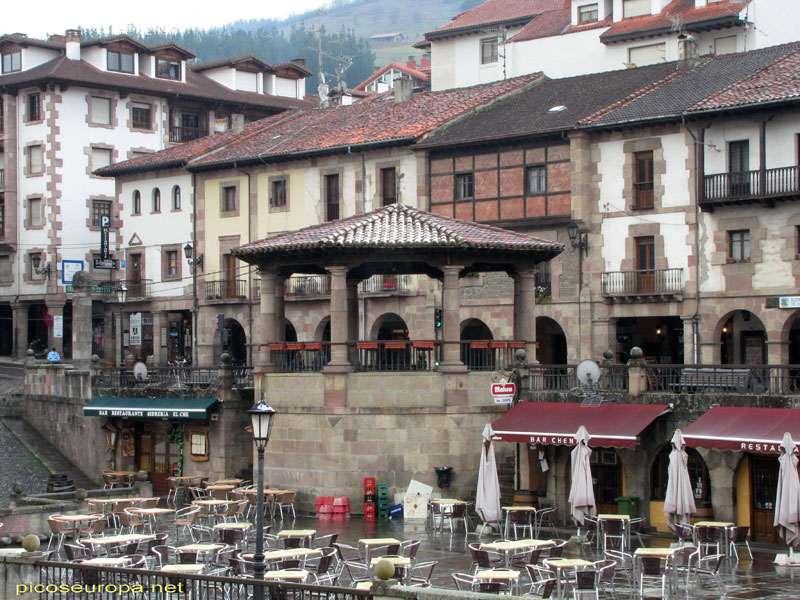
(101, 157)
(198, 445)
(465, 186)
(536, 179)
(136, 209)
(156, 200)
(698, 476)
(643, 180)
(120, 61)
(738, 167)
(100, 208)
(35, 163)
(388, 186)
(141, 116)
(489, 51)
(739, 246)
(647, 55)
(176, 198)
(168, 69)
(587, 14)
(35, 213)
(100, 111)
(12, 62)
(635, 8)
(229, 198)
(172, 265)
(277, 193)
(725, 45)
(331, 197)
(34, 107)
(5, 268)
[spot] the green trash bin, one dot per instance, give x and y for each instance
(628, 505)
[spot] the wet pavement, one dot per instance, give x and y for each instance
(18, 464)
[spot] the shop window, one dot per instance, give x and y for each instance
(198, 445)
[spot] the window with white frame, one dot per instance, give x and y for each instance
(176, 198)
(587, 14)
(101, 157)
(35, 160)
(12, 61)
(489, 50)
(119, 61)
(647, 55)
(100, 111)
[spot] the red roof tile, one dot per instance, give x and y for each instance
(498, 11)
(399, 226)
(370, 121)
(410, 71)
(556, 22)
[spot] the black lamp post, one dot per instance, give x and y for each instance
(36, 260)
(261, 416)
(578, 239)
(188, 252)
(122, 295)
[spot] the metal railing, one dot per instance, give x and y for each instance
(178, 135)
(137, 288)
(385, 283)
(300, 357)
(489, 355)
(226, 289)
(644, 282)
(307, 285)
(744, 185)
(242, 377)
(164, 378)
(73, 581)
(419, 355)
(740, 379)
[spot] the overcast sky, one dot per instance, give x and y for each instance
(54, 16)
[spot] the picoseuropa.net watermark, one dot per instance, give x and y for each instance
(100, 588)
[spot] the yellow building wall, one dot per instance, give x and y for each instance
(743, 493)
(657, 517)
(217, 226)
(299, 214)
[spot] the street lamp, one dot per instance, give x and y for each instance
(194, 262)
(578, 239)
(261, 416)
(122, 295)
(36, 260)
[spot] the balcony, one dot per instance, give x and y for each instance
(179, 135)
(137, 288)
(226, 289)
(747, 187)
(385, 283)
(644, 284)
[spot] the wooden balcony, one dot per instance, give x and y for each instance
(179, 135)
(748, 187)
(648, 284)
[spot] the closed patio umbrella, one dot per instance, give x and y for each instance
(581, 493)
(787, 500)
(487, 502)
(679, 501)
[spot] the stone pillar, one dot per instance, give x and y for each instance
(688, 340)
(710, 353)
(722, 475)
(280, 309)
(339, 321)
(160, 320)
(265, 327)
(451, 319)
(778, 354)
(604, 337)
(57, 310)
(525, 311)
(20, 317)
(352, 312)
(517, 308)
(81, 319)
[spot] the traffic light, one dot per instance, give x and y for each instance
(437, 317)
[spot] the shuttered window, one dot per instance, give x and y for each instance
(101, 111)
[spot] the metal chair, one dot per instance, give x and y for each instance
(613, 529)
(738, 537)
(557, 549)
(484, 559)
(420, 574)
(453, 513)
(583, 582)
(545, 518)
(623, 564)
(708, 566)
(709, 537)
(605, 576)
(286, 500)
(652, 569)
(521, 519)
(542, 589)
(635, 529)
(464, 581)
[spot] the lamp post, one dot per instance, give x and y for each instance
(188, 252)
(579, 240)
(122, 295)
(261, 416)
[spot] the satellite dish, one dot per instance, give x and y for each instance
(588, 372)
(140, 371)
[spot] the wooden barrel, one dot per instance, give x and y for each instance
(526, 498)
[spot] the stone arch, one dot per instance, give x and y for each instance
(551, 346)
(389, 326)
(290, 333)
(475, 329)
(476, 353)
(323, 330)
(236, 343)
(742, 336)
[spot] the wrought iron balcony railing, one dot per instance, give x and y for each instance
(642, 283)
(226, 289)
(178, 135)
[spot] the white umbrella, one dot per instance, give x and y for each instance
(787, 500)
(487, 502)
(679, 501)
(581, 494)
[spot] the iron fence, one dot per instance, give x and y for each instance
(740, 379)
(308, 285)
(158, 377)
(385, 283)
(489, 355)
(74, 581)
(642, 282)
(419, 355)
(300, 357)
(225, 289)
(178, 135)
(743, 185)
(242, 377)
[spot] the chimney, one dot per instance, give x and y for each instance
(426, 60)
(299, 61)
(688, 52)
(73, 45)
(403, 90)
(412, 62)
(237, 120)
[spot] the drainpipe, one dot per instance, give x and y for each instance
(195, 332)
(249, 271)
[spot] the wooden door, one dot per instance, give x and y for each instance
(764, 486)
(607, 479)
(389, 186)
(135, 275)
(229, 275)
(645, 265)
(144, 453)
(738, 166)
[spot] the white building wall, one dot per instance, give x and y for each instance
(673, 229)
(775, 22)
(443, 64)
(223, 75)
(33, 56)
(286, 87)
(147, 65)
(676, 178)
(717, 138)
(96, 56)
(246, 82)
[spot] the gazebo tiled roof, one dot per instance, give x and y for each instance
(398, 226)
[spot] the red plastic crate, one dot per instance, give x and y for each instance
(319, 500)
(341, 509)
(325, 508)
(369, 482)
(341, 501)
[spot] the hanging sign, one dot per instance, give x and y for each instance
(136, 329)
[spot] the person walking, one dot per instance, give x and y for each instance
(53, 356)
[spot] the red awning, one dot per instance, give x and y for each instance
(743, 428)
(610, 425)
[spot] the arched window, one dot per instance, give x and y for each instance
(156, 200)
(137, 203)
(176, 198)
(698, 475)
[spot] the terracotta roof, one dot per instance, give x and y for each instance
(24, 40)
(377, 120)
(173, 45)
(110, 39)
(496, 12)
(399, 226)
(779, 81)
(231, 62)
(197, 86)
(528, 112)
(687, 89)
(683, 11)
(555, 22)
(410, 71)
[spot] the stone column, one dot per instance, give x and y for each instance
(778, 354)
(525, 311)
(688, 340)
(265, 326)
(451, 319)
(57, 310)
(159, 354)
(280, 309)
(517, 308)
(81, 319)
(339, 321)
(604, 337)
(20, 317)
(352, 313)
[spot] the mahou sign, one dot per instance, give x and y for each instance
(503, 393)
